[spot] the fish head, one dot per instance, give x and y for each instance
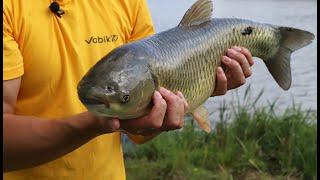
(120, 85)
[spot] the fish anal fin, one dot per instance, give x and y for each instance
(199, 13)
(201, 116)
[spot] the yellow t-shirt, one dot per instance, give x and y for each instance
(51, 54)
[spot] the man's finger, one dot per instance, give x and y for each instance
(114, 124)
(175, 111)
(241, 59)
(169, 96)
(248, 55)
(186, 108)
(234, 74)
(158, 111)
(186, 105)
(221, 81)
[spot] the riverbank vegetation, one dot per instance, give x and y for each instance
(248, 142)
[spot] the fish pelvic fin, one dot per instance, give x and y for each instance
(201, 116)
(198, 13)
(279, 65)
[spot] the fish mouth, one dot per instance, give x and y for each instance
(113, 111)
(91, 101)
(95, 102)
(96, 108)
(101, 110)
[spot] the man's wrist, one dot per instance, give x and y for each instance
(85, 124)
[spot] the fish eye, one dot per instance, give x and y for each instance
(125, 98)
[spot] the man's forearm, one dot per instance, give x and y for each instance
(31, 141)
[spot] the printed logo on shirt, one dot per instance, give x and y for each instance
(102, 39)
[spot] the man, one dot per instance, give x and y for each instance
(48, 134)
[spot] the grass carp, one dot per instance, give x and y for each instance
(184, 58)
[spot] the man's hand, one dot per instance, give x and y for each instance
(237, 68)
(167, 114)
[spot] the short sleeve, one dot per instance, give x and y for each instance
(143, 26)
(12, 58)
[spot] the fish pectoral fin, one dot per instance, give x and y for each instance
(201, 116)
(199, 13)
(279, 65)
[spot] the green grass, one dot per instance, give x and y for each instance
(257, 143)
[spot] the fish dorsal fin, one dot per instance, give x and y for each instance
(199, 13)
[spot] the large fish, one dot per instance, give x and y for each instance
(184, 58)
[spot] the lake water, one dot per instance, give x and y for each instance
(295, 13)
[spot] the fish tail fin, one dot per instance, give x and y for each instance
(279, 65)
